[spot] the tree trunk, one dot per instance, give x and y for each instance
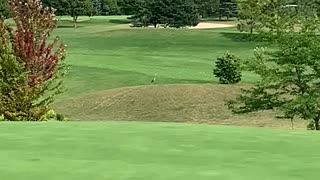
(316, 123)
(75, 18)
(251, 26)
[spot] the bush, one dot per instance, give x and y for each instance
(227, 69)
(50, 115)
(60, 117)
(311, 126)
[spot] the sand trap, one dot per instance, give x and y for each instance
(211, 26)
(203, 25)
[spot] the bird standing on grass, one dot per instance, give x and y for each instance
(154, 78)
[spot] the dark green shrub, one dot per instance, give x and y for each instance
(227, 69)
(60, 117)
(311, 126)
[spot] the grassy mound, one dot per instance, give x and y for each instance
(172, 103)
(144, 151)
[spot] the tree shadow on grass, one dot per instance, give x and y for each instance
(119, 21)
(192, 81)
(241, 37)
(67, 26)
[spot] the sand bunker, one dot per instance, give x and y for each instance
(211, 26)
(203, 25)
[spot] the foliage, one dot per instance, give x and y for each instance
(60, 117)
(207, 8)
(31, 67)
(170, 13)
(58, 5)
(267, 16)
(112, 7)
(141, 13)
(4, 9)
(76, 8)
(130, 7)
(227, 69)
(227, 8)
(290, 75)
(186, 14)
(98, 7)
(250, 10)
(14, 91)
(311, 126)
(50, 115)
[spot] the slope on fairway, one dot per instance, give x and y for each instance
(142, 151)
(172, 103)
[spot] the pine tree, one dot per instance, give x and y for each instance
(97, 5)
(227, 8)
(170, 13)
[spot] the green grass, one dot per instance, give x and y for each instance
(104, 54)
(144, 151)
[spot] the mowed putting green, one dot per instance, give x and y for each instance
(157, 151)
(105, 53)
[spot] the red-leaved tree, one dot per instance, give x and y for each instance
(39, 63)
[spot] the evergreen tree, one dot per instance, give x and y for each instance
(207, 8)
(227, 8)
(112, 7)
(130, 7)
(185, 14)
(170, 13)
(97, 6)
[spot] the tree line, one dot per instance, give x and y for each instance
(259, 15)
(170, 13)
(206, 8)
(129, 7)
